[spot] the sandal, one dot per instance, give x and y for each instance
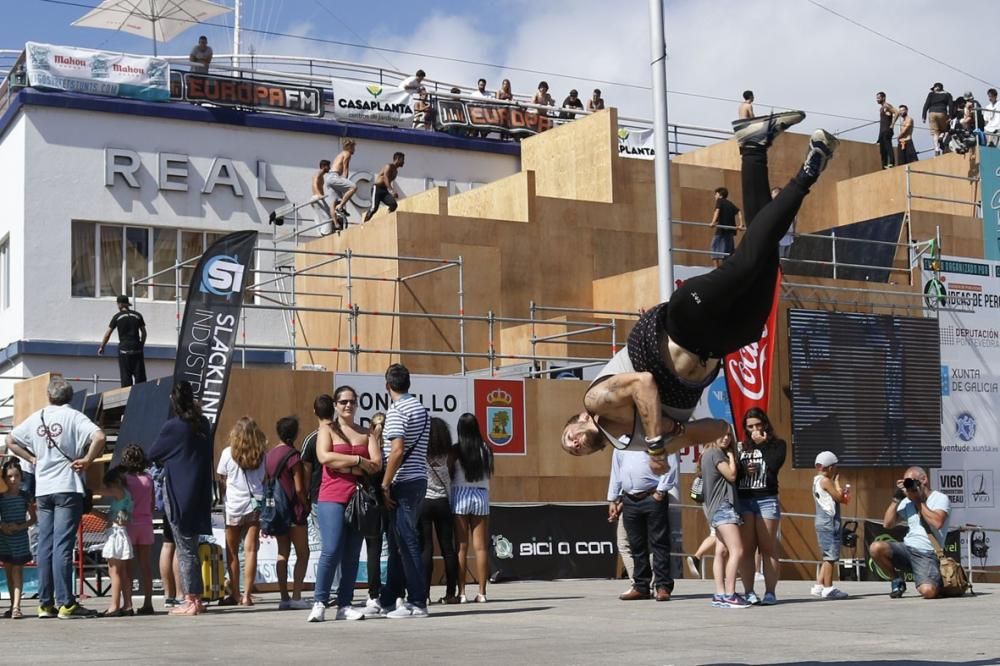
(145, 610)
(228, 601)
(16, 614)
(187, 608)
(247, 600)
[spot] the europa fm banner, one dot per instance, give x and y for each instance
(496, 116)
(748, 370)
(97, 72)
(968, 293)
(497, 403)
(989, 174)
(211, 318)
(357, 102)
(636, 143)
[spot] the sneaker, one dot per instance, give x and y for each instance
(816, 590)
(349, 613)
(758, 576)
(693, 566)
(751, 598)
(407, 610)
(834, 593)
(480, 598)
(373, 603)
(719, 600)
(822, 145)
(75, 612)
(47, 612)
(769, 599)
(735, 601)
(285, 604)
(400, 601)
(318, 613)
(373, 609)
(299, 604)
(898, 588)
(762, 130)
(462, 599)
(170, 602)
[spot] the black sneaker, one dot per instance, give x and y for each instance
(762, 130)
(898, 588)
(822, 145)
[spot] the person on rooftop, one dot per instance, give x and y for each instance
(572, 101)
(411, 84)
(201, 56)
(596, 102)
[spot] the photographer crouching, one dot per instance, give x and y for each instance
(919, 507)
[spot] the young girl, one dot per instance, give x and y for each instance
(17, 514)
(241, 470)
(471, 469)
(140, 529)
(118, 549)
(718, 469)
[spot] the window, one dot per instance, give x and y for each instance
(5, 273)
(107, 257)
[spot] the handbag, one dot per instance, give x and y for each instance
(954, 581)
(362, 512)
(88, 494)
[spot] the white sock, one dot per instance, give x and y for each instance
(826, 590)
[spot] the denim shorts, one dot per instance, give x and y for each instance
(767, 508)
(724, 515)
(922, 563)
(829, 544)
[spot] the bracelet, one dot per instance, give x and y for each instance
(359, 462)
(654, 440)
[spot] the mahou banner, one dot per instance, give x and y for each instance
(211, 318)
(97, 72)
(748, 370)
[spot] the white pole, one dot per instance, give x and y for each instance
(236, 31)
(664, 240)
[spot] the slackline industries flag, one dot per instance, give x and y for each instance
(211, 318)
(748, 370)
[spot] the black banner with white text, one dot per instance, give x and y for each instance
(550, 541)
(211, 319)
(510, 119)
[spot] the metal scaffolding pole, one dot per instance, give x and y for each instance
(661, 138)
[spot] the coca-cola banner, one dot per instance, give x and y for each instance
(748, 370)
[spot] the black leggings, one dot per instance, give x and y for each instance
(435, 516)
(719, 312)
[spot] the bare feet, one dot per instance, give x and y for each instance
(247, 600)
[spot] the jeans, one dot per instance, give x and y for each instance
(647, 524)
(885, 148)
(341, 548)
(58, 520)
(188, 562)
(373, 546)
(719, 312)
(405, 559)
(436, 516)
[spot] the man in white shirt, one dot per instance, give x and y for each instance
(61, 443)
(921, 509)
(411, 84)
(992, 116)
(201, 56)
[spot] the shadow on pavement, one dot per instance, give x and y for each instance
(873, 662)
(483, 611)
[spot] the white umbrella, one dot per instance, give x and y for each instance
(159, 20)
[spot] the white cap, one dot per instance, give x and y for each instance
(826, 459)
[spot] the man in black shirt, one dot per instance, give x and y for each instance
(725, 220)
(886, 120)
(131, 339)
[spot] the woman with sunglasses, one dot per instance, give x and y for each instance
(760, 459)
(347, 452)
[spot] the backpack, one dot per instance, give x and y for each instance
(276, 509)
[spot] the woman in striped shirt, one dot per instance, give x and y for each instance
(471, 469)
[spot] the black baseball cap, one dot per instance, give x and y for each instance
(123, 300)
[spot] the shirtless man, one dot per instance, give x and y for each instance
(319, 199)
(905, 152)
(384, 188)
(644, 396)
(337, 180)
(746, 106)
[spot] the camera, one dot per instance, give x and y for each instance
(911, 484)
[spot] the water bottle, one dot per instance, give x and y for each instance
(698, 489)
(847, 492)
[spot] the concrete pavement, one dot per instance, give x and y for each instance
(565, 622)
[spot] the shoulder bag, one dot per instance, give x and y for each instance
(954, 581)
(88, 494)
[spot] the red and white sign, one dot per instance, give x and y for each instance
(500, 411)
(748, 370)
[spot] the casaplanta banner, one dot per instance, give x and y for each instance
(211, 318)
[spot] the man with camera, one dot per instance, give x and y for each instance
(922, 509)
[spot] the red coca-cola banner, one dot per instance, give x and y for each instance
(748, 370)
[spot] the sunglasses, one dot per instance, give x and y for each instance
(345, 403)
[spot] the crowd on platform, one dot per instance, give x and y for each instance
(401, 481)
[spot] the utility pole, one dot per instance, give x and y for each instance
(661, 146)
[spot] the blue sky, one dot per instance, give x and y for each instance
(792, 53)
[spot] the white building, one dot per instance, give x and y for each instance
(100, 191)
